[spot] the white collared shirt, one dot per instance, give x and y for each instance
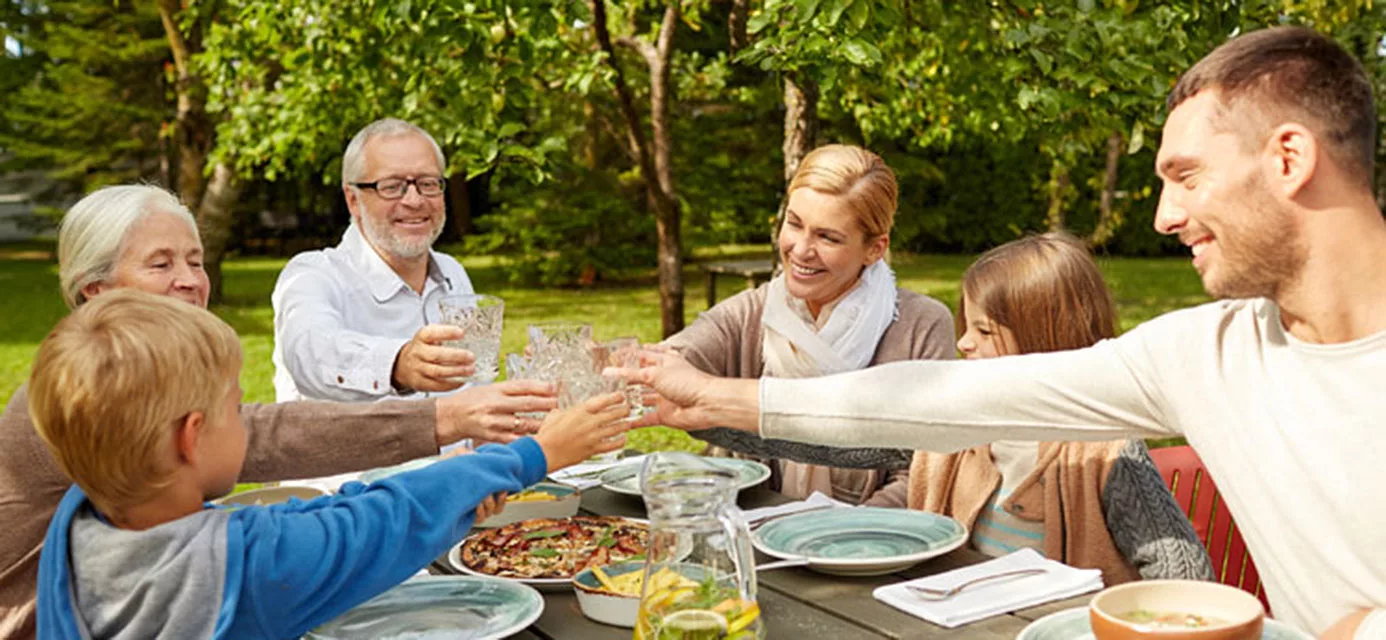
(341, 316)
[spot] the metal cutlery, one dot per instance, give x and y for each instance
(927, 593)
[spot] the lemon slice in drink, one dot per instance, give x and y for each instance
(693, 624)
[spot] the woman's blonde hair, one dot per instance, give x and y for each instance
(1046, 289)
(859, 176)
(112, 381)
(94, 231)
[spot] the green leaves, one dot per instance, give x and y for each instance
(546, 533)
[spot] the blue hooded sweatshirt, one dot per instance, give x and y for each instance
(264, 572)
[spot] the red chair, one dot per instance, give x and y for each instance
(1196, 494)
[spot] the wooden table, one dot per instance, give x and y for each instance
(754, 271)
(797, 603)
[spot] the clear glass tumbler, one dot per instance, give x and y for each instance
(480, 317)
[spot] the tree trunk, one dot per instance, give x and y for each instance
(800, 132)
(211, 201)
(667, 218)
(214, 217)
(191, 127)
(1107, 220)
(459, 201)
(654, 163)
(1058, 194)
(736, 24)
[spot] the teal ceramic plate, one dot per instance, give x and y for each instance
(453, 607)
(1072, 624)
(861, 541)
(626, 478)
(372, 475)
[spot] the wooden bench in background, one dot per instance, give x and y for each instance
(754, 271)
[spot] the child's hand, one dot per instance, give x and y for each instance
(576, 434)
(492, 505)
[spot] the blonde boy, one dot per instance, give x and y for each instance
(136, 395)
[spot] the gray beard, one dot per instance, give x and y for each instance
(388, 243)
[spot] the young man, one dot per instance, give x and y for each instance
(1267, 163)
(358, 322)
(136, 396)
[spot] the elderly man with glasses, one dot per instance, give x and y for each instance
(357, 322)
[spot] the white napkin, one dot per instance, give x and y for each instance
(585, 475)
(815, 501)
(992, 598)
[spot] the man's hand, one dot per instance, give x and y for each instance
(573, 435)
(426, 364)
(488, 412)
(686, 397)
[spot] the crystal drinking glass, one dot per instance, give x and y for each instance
(480, 317)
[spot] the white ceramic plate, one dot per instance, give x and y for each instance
(454, 607)
(860, 541)
(1072, 624)
(626, 478)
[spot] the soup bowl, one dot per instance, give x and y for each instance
(1175, 610)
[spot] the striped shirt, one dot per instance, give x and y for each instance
(997, 532)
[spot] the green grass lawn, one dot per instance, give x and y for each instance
(1144, 288)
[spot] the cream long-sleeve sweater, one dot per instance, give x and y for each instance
(1291, 432)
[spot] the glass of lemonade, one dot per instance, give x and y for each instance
(480, 316)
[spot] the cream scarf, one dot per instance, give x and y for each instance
(844, 338)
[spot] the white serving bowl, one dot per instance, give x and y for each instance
(603, 606)
(569, 498)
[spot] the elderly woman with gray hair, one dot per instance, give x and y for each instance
(143, 237)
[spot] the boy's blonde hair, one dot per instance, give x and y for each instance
(111, 382)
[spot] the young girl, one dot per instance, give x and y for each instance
(1087, 504)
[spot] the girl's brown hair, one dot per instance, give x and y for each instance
(1046, 289)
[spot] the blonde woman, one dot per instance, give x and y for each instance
(834, 308)
(1099, 505)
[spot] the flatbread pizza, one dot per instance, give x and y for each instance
(556, 548)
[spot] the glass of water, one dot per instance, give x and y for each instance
(480, 318)
(624, 353)
(556, 340)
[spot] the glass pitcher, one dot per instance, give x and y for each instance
(700, 575)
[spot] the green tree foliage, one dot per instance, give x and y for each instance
(87, 98)
(998, 116)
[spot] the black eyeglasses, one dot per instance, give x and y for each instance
(394, 188)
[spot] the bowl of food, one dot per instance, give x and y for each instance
(268, 495)
(543, 500)
(1176, 610)
(611, 594)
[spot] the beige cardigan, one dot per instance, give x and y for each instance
(290, 440)
(727, 341)
(1065, 493)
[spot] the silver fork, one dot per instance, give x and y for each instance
(927, 593)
